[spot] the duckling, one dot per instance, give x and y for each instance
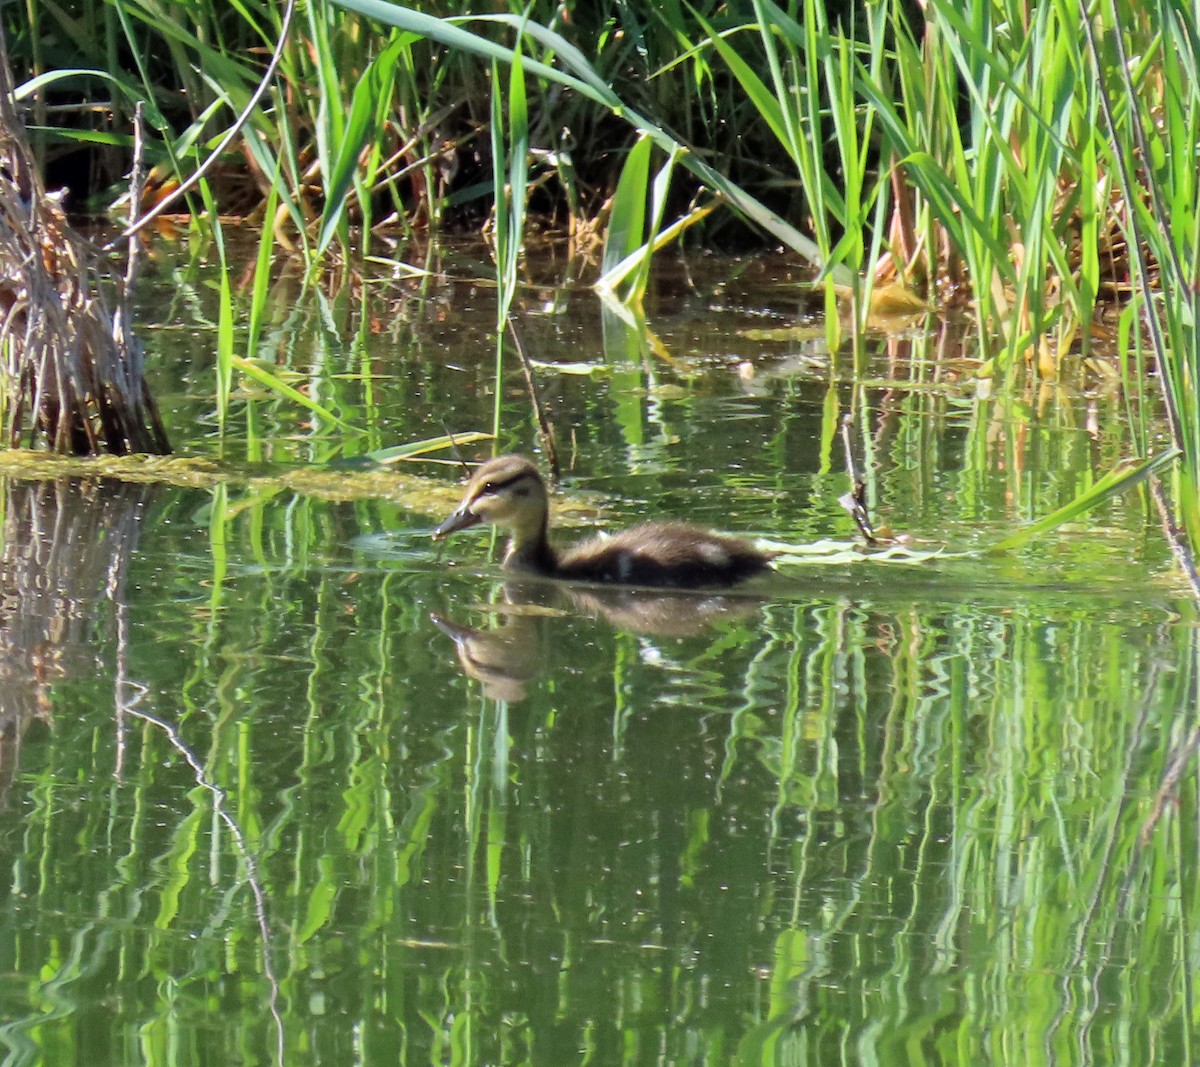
(509, 492)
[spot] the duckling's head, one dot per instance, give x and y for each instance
(507, 492)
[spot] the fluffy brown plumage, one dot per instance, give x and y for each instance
(509, 492)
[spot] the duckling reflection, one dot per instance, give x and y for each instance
(505, 659)
(509, 656)
(509, 492)
(658, 614)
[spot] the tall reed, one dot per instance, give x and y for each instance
(510, 181)
(991, 155)
(1151, 109)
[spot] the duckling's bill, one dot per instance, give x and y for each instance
(461, 519)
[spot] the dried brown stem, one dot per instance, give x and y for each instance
(545, 430)
(855, 500)
(73, 370)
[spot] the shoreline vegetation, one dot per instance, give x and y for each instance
(73, 377)
(1028, 161)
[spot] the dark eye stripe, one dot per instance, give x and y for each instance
(495, 487)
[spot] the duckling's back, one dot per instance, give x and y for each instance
(664, 554)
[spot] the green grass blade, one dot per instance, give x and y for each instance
(518, 179)
(276, 385)
(1116, 481)
(262, 272)
(225, 356)
(422, 448)
(361, 128)
(627, 223)
(154, 117)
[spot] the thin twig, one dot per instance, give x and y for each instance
(544, 429)
(195, 177)
(122, 317)
(129, 707)
(855, 500)
(1176, 538)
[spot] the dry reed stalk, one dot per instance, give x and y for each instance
(71, 372)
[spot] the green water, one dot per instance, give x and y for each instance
(256, 808)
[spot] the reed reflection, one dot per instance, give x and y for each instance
(66, 550)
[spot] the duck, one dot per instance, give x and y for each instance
(509, 492)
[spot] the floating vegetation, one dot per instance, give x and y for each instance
(335, 481)
(835, 553)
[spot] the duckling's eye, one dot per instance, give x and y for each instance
(501, 484)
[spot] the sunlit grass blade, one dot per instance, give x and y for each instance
(262, 274)
(639, 258)
(422, 448)
(1117, 481)
(33, 86)
(225, 314)
(627, 221)
(517, 188)
(371, 94)
(277, 385)
(635, 266)
(584, 80)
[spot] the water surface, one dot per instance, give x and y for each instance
(259, 807)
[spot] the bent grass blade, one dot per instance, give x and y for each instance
(1115, 482)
